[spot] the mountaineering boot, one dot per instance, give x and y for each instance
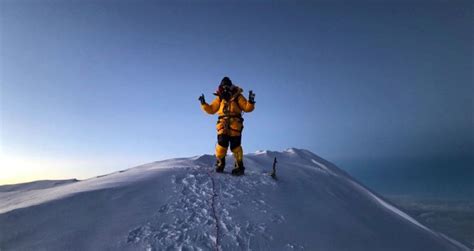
(220, 156)
(220, 165)
(239, 163)
(239, 169)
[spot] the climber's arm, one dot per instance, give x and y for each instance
(245, 105)
(213, 107)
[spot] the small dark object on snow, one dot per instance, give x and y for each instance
(273, 174)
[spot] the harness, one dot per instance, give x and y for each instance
(227, 118)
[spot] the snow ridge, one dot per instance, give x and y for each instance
(181, 204)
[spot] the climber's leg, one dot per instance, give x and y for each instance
(236, 148)
(221, 151)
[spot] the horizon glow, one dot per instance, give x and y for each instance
(90, 87)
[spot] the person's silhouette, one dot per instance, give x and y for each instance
(229, 105)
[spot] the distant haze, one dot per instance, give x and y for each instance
(88, 87)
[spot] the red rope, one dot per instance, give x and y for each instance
(214, 214)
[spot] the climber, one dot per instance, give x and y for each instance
(229, 105)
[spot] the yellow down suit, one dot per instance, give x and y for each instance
(230, 122)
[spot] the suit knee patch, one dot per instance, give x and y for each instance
(235, 142)
(223, 140)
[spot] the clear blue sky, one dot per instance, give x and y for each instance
(88, 87)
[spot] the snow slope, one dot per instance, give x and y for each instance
(182, 204)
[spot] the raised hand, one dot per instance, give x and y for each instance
(202, 99)
(251, 97)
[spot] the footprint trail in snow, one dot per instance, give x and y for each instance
(200, 214)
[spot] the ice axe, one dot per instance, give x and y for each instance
(273, 174)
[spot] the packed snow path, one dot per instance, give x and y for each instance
(181, 204)
(202, 208)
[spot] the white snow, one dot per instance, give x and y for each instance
(181, 204)
(322, 166)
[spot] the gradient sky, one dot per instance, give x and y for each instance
(88, 87)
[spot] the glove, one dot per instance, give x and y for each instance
(201, 98)
(251, 97)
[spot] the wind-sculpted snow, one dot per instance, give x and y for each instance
(35, 185)
(181, 204)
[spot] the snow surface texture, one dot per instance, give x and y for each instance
(181, 204)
